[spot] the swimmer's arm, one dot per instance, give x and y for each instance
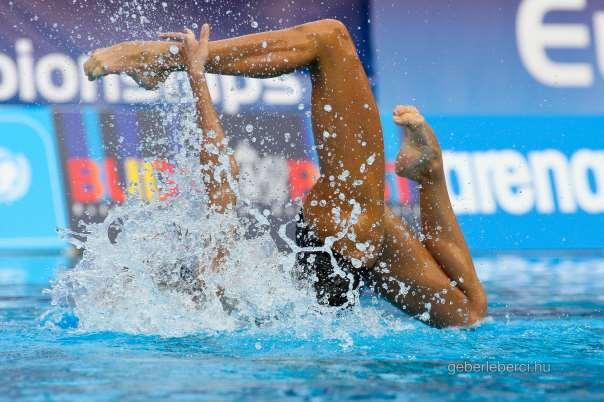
(219, 165)
(220, 168)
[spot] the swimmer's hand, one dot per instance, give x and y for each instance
(194, 52)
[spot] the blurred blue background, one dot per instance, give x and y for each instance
(512, 88)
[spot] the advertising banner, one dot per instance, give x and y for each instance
(515, 92)
(71, 148)
(31, 183)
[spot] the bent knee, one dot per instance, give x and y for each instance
(334, 35)
(331, 25)
(477, 310)
(471, 312)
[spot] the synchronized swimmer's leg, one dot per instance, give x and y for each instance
(346, 122)
(435, 278)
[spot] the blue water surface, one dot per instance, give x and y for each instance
(546, 316)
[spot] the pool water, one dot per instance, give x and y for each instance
(545, 316)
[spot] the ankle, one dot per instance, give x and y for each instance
(433, 174)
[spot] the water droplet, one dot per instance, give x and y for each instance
(327, 108)
(254, 24)
(249, 128)
(264, 44)
(174, 49)
(344, 175)
(361, 246)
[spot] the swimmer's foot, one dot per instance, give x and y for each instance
(148, 63)
(420, 158)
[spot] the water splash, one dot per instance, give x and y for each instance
(150, 268)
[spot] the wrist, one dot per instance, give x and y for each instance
(197, 73)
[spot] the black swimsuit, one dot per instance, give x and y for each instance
(331, 288)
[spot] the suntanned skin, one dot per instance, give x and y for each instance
(437, 272)
(213, 153)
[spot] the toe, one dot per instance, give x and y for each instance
(411, 120)
(98, 71)
(90, 65)
(403, 109)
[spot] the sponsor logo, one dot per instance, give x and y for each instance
(31, 192)
(58, 78)
(15, 176)
(543, 181)
(269, 180)
(535, 38)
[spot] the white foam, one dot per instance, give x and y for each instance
(157, 276)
